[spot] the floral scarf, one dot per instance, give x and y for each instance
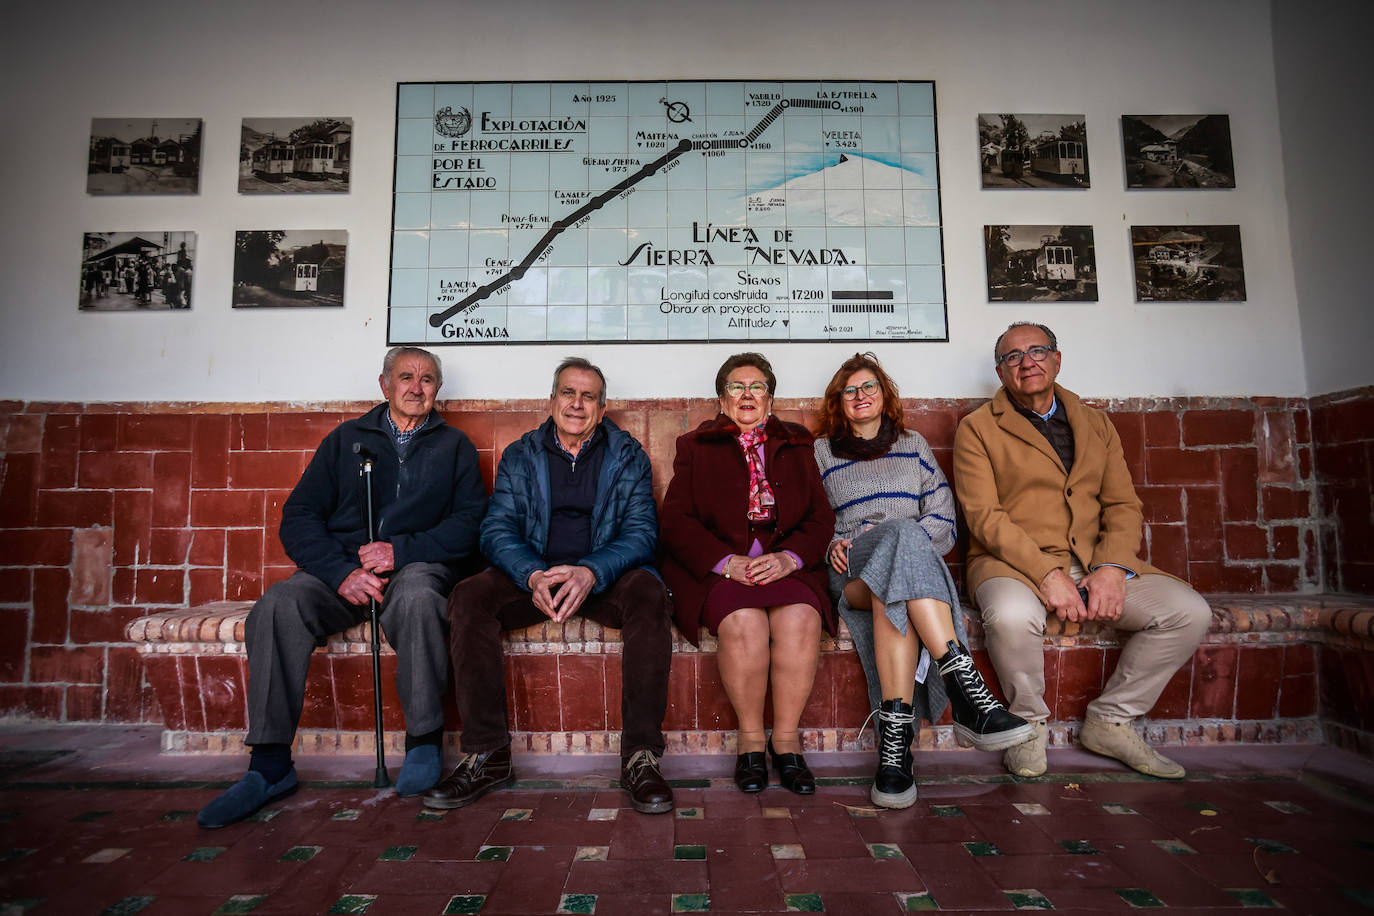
(760, 493)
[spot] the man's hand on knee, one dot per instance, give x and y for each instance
(359, 586)
(1060, 595)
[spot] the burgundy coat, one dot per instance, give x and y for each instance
(705, 513)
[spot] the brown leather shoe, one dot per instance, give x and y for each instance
(649, 791)
(477, 775)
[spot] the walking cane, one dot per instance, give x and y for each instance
(381, 780)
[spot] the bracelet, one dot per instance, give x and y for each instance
(727, 565)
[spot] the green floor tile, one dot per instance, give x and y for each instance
(1118, 809)
(691, 903)
(300, 853)
(577, 903)
(347, 814)
(1363, 896)
(592, 854)
(494, 853)
(803, 903)
(946, 811)
(1366, 845)
(517, 814)
(397, 854)
(1271, 845)
(352, 903)
(689, 852)
(465, 904)
(88, 816)
(263, 816)
(23, 904)
(7, 816)
(916, 903)
(106, 856)
(690, 814)
(1031, 809)
(1287, 807)
(1248, 896)
(13, 855)
(176, 815)
(1078, 847)
(885, 851)
(428, 815)
(240, 903)
(1176, 847)
(982, 848)
(127, 907)
(1138, 897)
(204, 854)
(1029, 899)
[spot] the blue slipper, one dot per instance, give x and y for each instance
(245, 797)
(420, 770)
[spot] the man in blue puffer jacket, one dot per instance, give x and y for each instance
(571, 529)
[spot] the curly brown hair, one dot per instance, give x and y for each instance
(832, 421)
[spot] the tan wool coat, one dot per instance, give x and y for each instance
(1025, 515)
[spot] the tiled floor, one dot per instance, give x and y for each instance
(94, 820)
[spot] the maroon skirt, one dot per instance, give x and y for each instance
(729, 595)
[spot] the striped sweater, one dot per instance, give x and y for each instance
(904, 483)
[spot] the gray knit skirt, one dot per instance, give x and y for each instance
(898, 563)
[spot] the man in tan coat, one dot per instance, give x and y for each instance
(1056, 528)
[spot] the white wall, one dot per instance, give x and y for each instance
(1326, 93)
(67, 62)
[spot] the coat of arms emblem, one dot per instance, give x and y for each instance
(450, 123)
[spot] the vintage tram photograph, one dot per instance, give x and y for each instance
(1178, 151)
(144, 156)
(1188, 264)
(136, 271)
(295, 155)
(276, 268)
(1041, 263)
(1034, 150)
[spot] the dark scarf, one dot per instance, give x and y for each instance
(852, 448)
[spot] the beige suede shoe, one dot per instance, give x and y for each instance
(1028, 758)
(1122, 741)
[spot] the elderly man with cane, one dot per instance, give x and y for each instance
(429, 501)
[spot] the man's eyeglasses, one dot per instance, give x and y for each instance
(870, 388)
(737, 389)
(1013, 359)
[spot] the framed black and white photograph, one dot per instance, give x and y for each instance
(1041, 263)
(144, 156)
(1188, 264)
(1178, 151)
(136, 271)
(295, 155)
(1034, 150)
(289, 268)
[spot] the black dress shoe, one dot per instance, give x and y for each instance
(649, 791)
(477, 775)
(751, 772)
(793, 772)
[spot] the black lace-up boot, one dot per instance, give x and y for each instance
(894, 785)
(980, 721)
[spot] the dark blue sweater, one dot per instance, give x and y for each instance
(428, 507)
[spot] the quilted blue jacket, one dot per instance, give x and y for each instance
(515, 532)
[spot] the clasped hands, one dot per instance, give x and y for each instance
(765, 568)
(365, 583)
(1106, 588)
(560, 590)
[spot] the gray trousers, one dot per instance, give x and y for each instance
(293, 617)
(1165, 618)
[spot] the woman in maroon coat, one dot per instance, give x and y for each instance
(745, 527)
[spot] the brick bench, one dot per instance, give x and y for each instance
(1278, 669)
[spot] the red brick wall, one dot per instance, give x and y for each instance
(109, 512)
(1343, 424)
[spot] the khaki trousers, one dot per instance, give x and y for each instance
(1165, 618)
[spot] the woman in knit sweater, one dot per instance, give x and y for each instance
(894, 521)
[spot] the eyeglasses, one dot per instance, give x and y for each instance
(869, 388)
(1013, 359)
(737, 389)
